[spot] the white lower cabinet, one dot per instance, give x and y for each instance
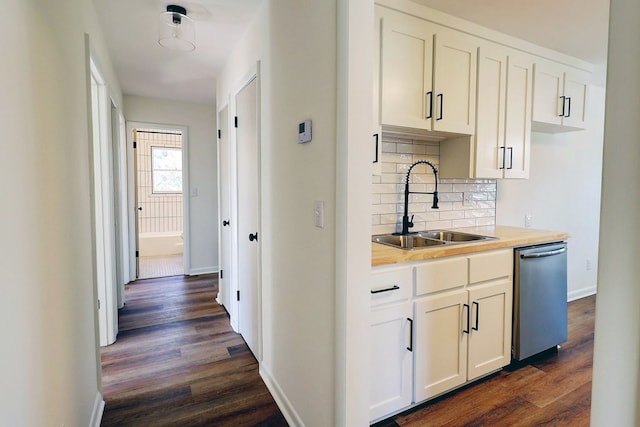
(390, 360)
(441, 346)
(390, 346)
(490, 327)
(461, 335)
(455, 327)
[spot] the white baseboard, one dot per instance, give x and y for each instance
(203, 270)
(98, 410)
(581, 293)
(283, 403)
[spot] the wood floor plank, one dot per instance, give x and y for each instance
(177, 362)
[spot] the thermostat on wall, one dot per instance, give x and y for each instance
(304, 132)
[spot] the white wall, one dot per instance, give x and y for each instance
(298, 274)
(200, 119)
(563, 193)
(616, 366)
(50, 363)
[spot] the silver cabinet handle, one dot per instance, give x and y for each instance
(544, 254)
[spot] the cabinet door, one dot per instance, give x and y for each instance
(390, 361)
(492, 86)
(406, 70)
(490, 334)
(440, 344)
(454, 82)
(547, 90)
(517, 140)
(575, 90)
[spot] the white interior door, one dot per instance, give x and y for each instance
(246, 123)
(224, 178)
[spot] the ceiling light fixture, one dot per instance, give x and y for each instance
(176, 30)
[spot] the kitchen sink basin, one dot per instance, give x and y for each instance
(429, 238)
(411, 241)
(452, 236)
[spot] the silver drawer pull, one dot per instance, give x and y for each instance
(377, 291)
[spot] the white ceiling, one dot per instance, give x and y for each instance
(145, 68)
(576, 27)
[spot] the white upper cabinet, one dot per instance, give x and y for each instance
(406, 58)
(517, 134)
(576, 88)
(454, 82)
(427, 75)
(501, 145)
(492, 87)
(559, 97)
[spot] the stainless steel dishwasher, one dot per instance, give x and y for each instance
(539, 298)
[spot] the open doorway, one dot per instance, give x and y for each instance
(159, 202)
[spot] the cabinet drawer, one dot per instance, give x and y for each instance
(434, 276)
(490, 265)
(390, 285)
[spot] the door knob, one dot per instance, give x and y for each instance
(139, 208)
(225, 222)
(253, 237)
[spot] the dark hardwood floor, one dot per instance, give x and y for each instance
(177, 362)
(553, 389)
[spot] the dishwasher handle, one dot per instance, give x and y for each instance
(543, 254)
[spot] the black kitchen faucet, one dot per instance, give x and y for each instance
(406, 222)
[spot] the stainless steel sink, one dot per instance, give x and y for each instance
(411, 241)
(452, 236)
(424, 239)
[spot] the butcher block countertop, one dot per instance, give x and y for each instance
(507, 237)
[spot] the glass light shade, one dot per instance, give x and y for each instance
(176, 31)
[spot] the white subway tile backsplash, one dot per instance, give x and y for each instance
(463, 223)
(459, 188)
(388, 147)
(385, 188)
(398, 154)
(391, 198)
(486, 221)
(391, 178)
(390, 218)
(452, 215)
(383, 209)
(451, 197)
(439, 224)
(383, 229)
(388, 167)
(410, 148)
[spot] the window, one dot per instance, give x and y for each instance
(166, 167)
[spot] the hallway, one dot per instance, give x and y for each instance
(177, 361)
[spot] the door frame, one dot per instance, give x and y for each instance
(102, 206)
(122, 226)
(225, 236)
(252, 74)
(186, 191)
